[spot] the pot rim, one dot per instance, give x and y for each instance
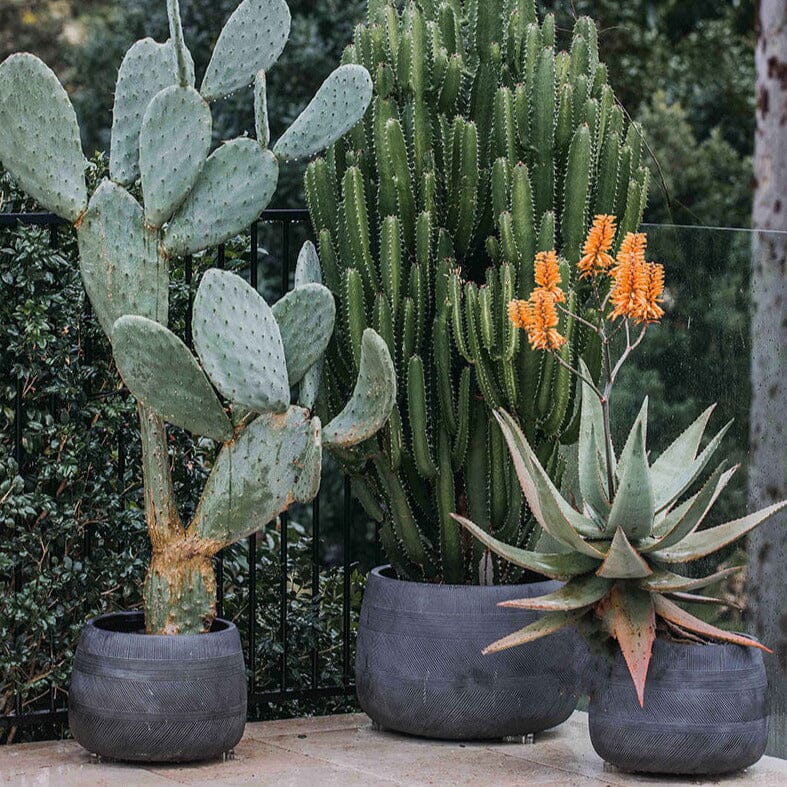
(123, 618)
(383, 573)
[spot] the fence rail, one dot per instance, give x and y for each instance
(283, 693)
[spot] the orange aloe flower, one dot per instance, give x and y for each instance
(653, 289)
(633, 245)
(627, 291)
(519, 313)
(539, 318)
(548, 274)
(597, 258)
(638, 287)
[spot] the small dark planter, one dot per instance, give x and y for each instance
(706, 711)
(419, 667)
(157, 698)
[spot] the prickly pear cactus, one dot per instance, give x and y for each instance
(484, 146)
(252, 354)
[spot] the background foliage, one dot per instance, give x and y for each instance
(685, 70)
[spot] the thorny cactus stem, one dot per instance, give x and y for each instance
(180, 588)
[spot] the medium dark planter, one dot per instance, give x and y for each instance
(146, 697)
(706, 711)
(419, 667)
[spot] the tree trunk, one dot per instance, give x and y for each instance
(767, 546)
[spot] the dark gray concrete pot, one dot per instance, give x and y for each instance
(145, 697)
(419, 667)
(706, 711)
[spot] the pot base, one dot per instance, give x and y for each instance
(151, 698)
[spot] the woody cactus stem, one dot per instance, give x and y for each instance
(251, 353)
(484, 146)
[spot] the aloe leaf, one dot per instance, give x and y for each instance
(555, 566)
(545, 625)
(674, 614)
(706, 542)
(577, 594)
(682, 451)
(675, 462)
(628, 448)
(693, 598)
(685, 519)
(667, 495)
(622, 560)
(592, 478)
(549, 507)
(663, 581)
(634, 505)
(629, 616)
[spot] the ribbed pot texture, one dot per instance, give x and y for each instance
(706, 711)
(152, 698)
(419, 667)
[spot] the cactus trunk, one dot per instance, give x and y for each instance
(180, 589)
(180, 586)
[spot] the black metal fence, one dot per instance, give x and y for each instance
(56, 713)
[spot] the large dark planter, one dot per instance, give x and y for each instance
(706, 711)
(419, 667)
(136, 696)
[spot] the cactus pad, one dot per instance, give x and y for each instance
(162, 374)
(252, 39)
(339, 104)
(236, 185)
(305, 317)
(146, 70)
(238, 341)
(169, 171)
(372, 400)
(274, 463)
(307, 270)
(39, 143)
(118, 257)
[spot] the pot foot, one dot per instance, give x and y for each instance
(521, 739)
(377, 727)
(228, 755)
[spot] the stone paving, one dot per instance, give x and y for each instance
(346, 750)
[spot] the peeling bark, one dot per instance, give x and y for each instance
(767, 546)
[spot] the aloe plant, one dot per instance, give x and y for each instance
(616, 543)
(251, 356)
(484, 145)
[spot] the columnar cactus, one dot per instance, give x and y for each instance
(252, 354)
(484, 146)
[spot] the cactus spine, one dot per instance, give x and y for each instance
(484, 146)
(252, 354)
